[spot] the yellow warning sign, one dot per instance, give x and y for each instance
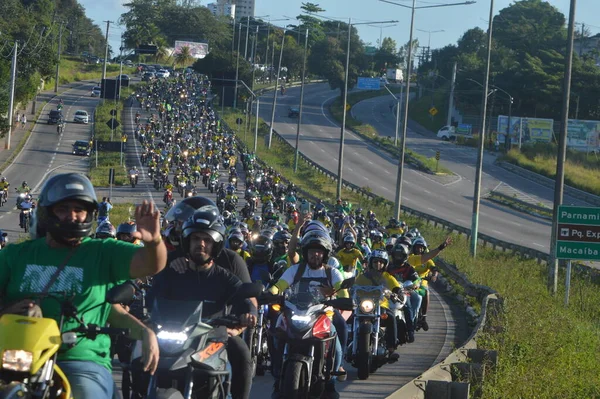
(433, 111)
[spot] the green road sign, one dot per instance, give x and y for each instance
(578, 234)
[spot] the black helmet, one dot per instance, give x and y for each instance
(262, 248)
(59, 188)
(316, 239)
(281, 236)
(205, 219)
(400, 254)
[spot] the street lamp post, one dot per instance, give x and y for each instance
(237, 68)
(301, 102)
(429, 39)
(398, 199)
(275, 92)
(479, 170)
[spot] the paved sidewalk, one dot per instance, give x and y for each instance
(18, 132)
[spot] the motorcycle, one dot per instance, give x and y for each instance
(366, 352)
(305, 327)
(168, 197)
(212, 185)
(26, 207)
(3, 195)
(30, 346)
(133, 179)
(193, 351)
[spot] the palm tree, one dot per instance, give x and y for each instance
(184, 56)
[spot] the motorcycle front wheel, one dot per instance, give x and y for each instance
(295, 381)
(363, 357)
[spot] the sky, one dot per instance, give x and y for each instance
(452, 20)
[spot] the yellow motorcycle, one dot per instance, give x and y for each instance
(30, 346)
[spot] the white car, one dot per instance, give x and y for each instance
(81, 116)
(162, 73)
(96, 91)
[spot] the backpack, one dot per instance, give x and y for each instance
(302, 268)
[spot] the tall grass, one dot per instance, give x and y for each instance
(546, 350)
(73, 69)
(107, 160)
(582, 170)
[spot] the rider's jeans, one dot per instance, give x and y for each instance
(342, 328)
(241, 367)
(88, 379)
(413, 305)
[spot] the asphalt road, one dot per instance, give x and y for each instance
(428, 349)
(47, 153)
(448, 197)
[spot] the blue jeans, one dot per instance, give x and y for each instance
(413, 305)
(88, 379)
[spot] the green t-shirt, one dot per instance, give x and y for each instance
(95, 267)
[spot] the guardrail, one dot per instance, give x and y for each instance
(547, 182)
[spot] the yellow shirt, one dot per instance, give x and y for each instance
(422, 268)
(378, 245)
(374, 278)
(244, 254)
(394, 230)
(349, 258)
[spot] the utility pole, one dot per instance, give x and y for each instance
(254, 48)
(106, 50)
(58, 56)
(237, 67)
(247, 33)
(11, 99)
(479, 170)
(301, 102)
(345, 102)
(562, 150)
(451, 99)
(275, 92)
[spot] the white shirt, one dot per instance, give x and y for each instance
(288, 275)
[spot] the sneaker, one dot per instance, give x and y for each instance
(393, 357)
(342, 375)
(424, 324)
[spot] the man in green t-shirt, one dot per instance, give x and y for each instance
(86, 268)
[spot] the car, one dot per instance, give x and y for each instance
(162, 73)
(96, 91)
(148, 76)
(55, 117)
(81, 116)
(293, 112)
(81, 147)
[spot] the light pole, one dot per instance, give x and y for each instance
(398, 104)
(268, 32)
(479, 170)
(398, 203)
(381, 28)
(237, 67)
(276, 89)
(429, 39)
(301, 102)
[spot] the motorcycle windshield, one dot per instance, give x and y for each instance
(177, 315)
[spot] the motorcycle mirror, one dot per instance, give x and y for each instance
(122, 293)
(349, 282)
(249, 290)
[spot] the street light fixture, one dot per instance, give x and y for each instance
(275, 91)
(429, 40)
(398, 198)
(381, 28)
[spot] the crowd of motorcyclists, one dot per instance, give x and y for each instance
(213, 330)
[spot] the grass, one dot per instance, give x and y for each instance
(73, 69)
(520, 206)
(582, 171)
(418, 110)
(369, 132)
(107, 159)
(120, 213)
(546, 350)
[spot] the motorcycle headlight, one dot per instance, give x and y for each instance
(300, 321)
(17, 360)
(171, 341)
(367, 306)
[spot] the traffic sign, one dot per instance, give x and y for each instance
(437, 155)
(113, 112)
(368, 83)
(239, 121)
(113, 124)
(433, 111)
(578, 234)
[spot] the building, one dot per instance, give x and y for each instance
(222, 8)
(244, 9)
(233, 8)
(587, 45)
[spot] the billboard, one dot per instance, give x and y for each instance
(583, 135)
(197, 50)
(368, 83)
(525, 130)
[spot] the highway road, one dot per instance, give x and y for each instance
(428, 349)
(448, 197)
(46, 153)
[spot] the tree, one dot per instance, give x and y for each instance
(184, 56)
